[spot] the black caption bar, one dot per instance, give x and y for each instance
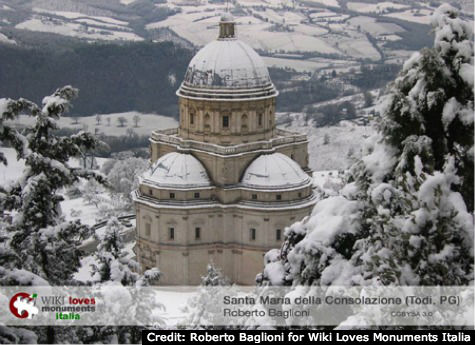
(281, 336)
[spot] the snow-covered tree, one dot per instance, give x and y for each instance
(113, 264)
(123, 176)
(136, 120)
(214, 277)
(202, 311)
(93, 193)
(405, 215)
(122, 121)
(40, 238)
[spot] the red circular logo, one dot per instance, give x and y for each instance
(14, 310)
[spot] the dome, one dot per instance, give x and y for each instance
(228, 69)
(227, 64)
(177, 170)
(227, 18)
(274, 171)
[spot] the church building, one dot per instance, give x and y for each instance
(222, 186)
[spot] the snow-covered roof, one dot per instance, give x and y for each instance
(227, 63)
(227, 68)
(274, 171)
(177, 170)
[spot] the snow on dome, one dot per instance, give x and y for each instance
(227, 68)
(177, 170)
(227, 64)
(274, 171)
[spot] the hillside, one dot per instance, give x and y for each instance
(111, 78)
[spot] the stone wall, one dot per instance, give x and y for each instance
(225, 239)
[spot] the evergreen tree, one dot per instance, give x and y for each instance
(404, 216)
(42, 241)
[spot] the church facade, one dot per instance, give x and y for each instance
(224, 184)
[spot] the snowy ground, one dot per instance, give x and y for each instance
(380, 7)
(307, 65)
(76, 24)
(345, 140)
(420, 16)
(198, 24)
(147, 123)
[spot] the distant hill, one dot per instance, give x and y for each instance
(112, 78)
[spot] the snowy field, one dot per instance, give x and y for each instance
(306, 65)
(345, 141)
(381, 7)
(421, 16)
(333, 3)
(274, 30)
(147, 123)
(201, 28)
(373, 27)
(80, 26)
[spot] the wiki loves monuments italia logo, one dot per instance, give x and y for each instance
(24, 306)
